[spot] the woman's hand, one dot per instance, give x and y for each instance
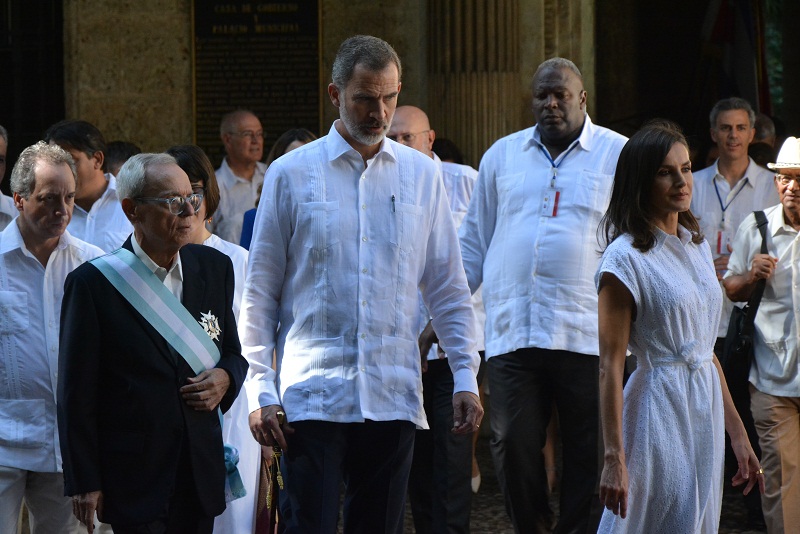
(750, 470)
(614, 486)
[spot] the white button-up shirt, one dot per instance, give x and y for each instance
(30, 311)
(776, 370)
(236, 196)
(7, 211)
(105, 224)
(459, 181)
(720, 210)
(338, 255)
(537, 271)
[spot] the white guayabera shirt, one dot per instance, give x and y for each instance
(30, 311)
(338, 255)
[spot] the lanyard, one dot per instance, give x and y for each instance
(722, 205)
(561, 159)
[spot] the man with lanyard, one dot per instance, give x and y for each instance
(148, 353)
(530, 237)
(724, 195)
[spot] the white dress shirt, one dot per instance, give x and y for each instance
(105, 224)
(236, 196)
(776, 370)
(459, 181)
(721, 209)
(30, 311)
(338, 255)
(537, 271)
(172, 278)
(238, 256)
(7, 211)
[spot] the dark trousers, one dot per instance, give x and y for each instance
(185, 514)
(741, 400)
(439, 486)
(373, 460)
(522, 386)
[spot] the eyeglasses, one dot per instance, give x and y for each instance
(786, 179)
(406, 138)
(255, 136)
(176, 205)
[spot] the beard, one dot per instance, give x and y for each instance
(359, 132)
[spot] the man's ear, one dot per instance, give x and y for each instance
(97, 160)
(17, 201)
(129, 209)
(334, 94)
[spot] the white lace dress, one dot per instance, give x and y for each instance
(672, 415)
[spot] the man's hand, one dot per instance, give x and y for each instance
(467, 412)
(84, 506)
(205, 391)
(721, 264)
(266, 427)
(763, 266)
(426, 340)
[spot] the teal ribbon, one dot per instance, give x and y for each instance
(234, 488)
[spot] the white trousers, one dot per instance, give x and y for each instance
(50, 512)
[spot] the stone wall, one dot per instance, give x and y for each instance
(128, 69)
(128, 64)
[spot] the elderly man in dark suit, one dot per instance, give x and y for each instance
(145, 366)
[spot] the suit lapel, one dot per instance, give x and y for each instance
(193, 283)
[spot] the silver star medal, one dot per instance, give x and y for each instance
(210, 324)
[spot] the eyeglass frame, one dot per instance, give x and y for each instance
(250, 133)
(407, 137)
(788, 179)
(170, 201)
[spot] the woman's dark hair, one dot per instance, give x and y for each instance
(637, 166)
(196, 164)
(287, 138)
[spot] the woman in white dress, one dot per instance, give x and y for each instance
(239, 515)
(659, 298)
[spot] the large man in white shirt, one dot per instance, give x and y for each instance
(775, 374)
(530, 238)
(36, 254)
(439, 483)
(240, 174)
(724, 195)
(97, 218)
(7, 209)
(349, 227)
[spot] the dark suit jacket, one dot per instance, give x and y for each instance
(122, 422)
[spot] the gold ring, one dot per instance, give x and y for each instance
(760, 471)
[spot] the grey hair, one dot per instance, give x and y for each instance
(731, 104)
(372, 53)
(230, 119)
(4, 134)
(23, 177)
(558, 63)
(132, 179)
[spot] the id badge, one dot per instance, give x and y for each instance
(723, 241)
(552, 196)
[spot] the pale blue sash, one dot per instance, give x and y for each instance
(164, 312)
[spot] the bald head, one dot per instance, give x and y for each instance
(411, 127)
